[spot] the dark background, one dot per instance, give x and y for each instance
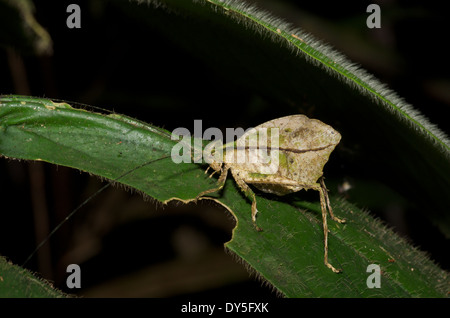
(116, 63)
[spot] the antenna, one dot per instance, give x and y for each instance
(85, 202)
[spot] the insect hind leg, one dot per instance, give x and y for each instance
(330, 210)
(324, 203)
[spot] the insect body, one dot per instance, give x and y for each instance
(289, 163)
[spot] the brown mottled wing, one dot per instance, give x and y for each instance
(305, 146)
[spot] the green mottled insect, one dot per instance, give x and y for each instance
(296, 162)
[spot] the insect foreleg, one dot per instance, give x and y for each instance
(220, 182)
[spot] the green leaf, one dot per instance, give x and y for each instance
(108, 146)
(288, 253)
(19, 282)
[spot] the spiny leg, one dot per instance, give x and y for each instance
(220, 182)
(323, 206)
(325, 191)
(213, 173)
(249, 194)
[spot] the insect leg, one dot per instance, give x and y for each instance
(322, 184)
(249, 194)
(220, 182)
(323, 205)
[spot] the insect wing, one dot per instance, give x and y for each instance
(304, 147)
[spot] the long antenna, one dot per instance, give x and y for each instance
(85, 202)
